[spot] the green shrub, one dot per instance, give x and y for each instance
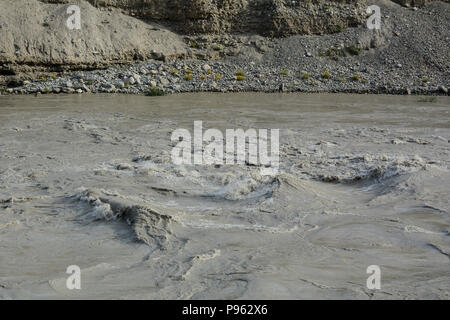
(305, 76)
(354, 50)
(155, 92)
(240, 78)
(284, 72)
(326, 75)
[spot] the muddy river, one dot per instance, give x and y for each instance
(90, 181)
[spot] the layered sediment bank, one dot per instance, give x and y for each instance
(305, 46)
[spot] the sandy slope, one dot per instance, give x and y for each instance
(35, 34)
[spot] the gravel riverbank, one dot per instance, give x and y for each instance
(157, 78)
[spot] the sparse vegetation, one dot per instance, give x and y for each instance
(326, 75)
(218, 77)
(188, 77)
(355, 51)
(240, 74)
(425, 80)
(155, 92)
(356, 77)
(217, 48)
(240, 78)
(305, 76)
(284, 72)
(334, 53)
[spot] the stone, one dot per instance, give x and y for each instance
(442, 89)
(137, 78)
(206, 67)
(129, 80)
(109, 86)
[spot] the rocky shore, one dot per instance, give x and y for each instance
(158, 78)
(408, 55)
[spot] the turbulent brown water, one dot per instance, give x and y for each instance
(88, 181)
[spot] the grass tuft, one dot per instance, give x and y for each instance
(305, 76)
(326, 75)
